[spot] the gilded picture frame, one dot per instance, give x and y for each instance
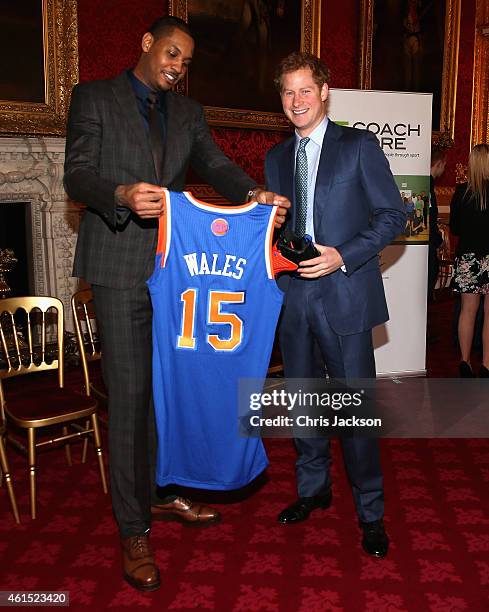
(56, 62)
(480, 94)
(235, 37)
(409, 38)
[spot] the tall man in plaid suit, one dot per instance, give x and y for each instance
(117, 166)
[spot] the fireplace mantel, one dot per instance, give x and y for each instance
(31, 170)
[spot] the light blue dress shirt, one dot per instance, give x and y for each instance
(313, 152)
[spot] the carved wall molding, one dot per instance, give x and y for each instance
(31, 171)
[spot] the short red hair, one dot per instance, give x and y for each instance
(296, 61)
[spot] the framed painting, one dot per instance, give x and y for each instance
(238, 45)
(38, 63)
(412, 45)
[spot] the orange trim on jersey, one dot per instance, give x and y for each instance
(162, 229)
(270, 244)
(223, 206)
(278, 263)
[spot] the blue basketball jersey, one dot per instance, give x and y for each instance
(215, 309)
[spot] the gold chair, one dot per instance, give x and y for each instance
(5, 470)
(31, 333)
(88, 337)
(445, 258)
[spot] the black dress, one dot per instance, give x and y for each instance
(471, 224)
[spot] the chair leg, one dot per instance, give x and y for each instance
(67, 447)
(32, 468)
(5, 472)
(85, 444)
(98, 450)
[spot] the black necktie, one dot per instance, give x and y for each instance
(301, 188)
(155, 133)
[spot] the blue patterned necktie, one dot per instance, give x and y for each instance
(301, 188)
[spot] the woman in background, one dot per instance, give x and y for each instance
(469, 219)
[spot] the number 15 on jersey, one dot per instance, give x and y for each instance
(215, 316)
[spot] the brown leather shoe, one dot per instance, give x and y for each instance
(185, 511)
(140, 569)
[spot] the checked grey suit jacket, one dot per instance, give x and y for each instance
(107, 145)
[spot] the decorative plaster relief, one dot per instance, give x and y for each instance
(31, 170)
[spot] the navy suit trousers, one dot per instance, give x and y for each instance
(309, 348)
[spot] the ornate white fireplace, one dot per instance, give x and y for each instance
(31, 170)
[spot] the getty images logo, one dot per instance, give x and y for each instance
(390, 135)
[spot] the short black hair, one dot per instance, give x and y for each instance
(165, 26)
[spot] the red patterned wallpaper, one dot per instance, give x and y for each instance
(109, 36)
(339, 41)
(247, 148)
(109, 33)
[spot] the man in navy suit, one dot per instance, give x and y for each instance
(345, 198)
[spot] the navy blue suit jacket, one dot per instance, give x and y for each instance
(358, 210)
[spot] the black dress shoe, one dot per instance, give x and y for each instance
(465, 370)
(375, 541)
(302, 508)
(483, 372)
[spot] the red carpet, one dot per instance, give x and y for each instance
(437, 501)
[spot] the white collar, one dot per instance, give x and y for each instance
(317, 135)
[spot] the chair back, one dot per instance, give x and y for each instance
(86, 329)
(2, 405)
(446, 261)
(31, 336)
(445, 249)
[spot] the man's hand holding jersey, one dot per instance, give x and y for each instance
(274, 199)
(147, 200)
